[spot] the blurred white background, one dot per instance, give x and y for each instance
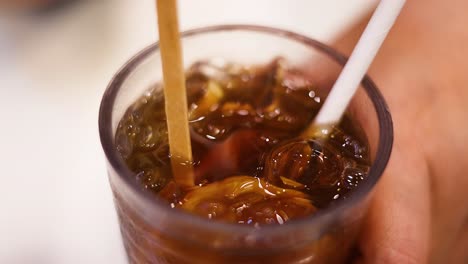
(55, 201)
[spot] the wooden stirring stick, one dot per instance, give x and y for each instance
(175, 93)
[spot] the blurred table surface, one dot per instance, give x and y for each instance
(55, 200)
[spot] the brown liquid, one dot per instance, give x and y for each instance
(250, 166)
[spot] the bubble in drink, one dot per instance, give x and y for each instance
(250, 165)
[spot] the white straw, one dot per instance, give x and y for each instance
(363, 54)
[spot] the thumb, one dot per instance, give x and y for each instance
(396, 228)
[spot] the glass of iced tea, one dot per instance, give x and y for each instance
(263, 193)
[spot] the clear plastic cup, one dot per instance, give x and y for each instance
(154, 233)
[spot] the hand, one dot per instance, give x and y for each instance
(420, 210)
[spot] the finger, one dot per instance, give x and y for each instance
(396, 229)
(460, 252)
